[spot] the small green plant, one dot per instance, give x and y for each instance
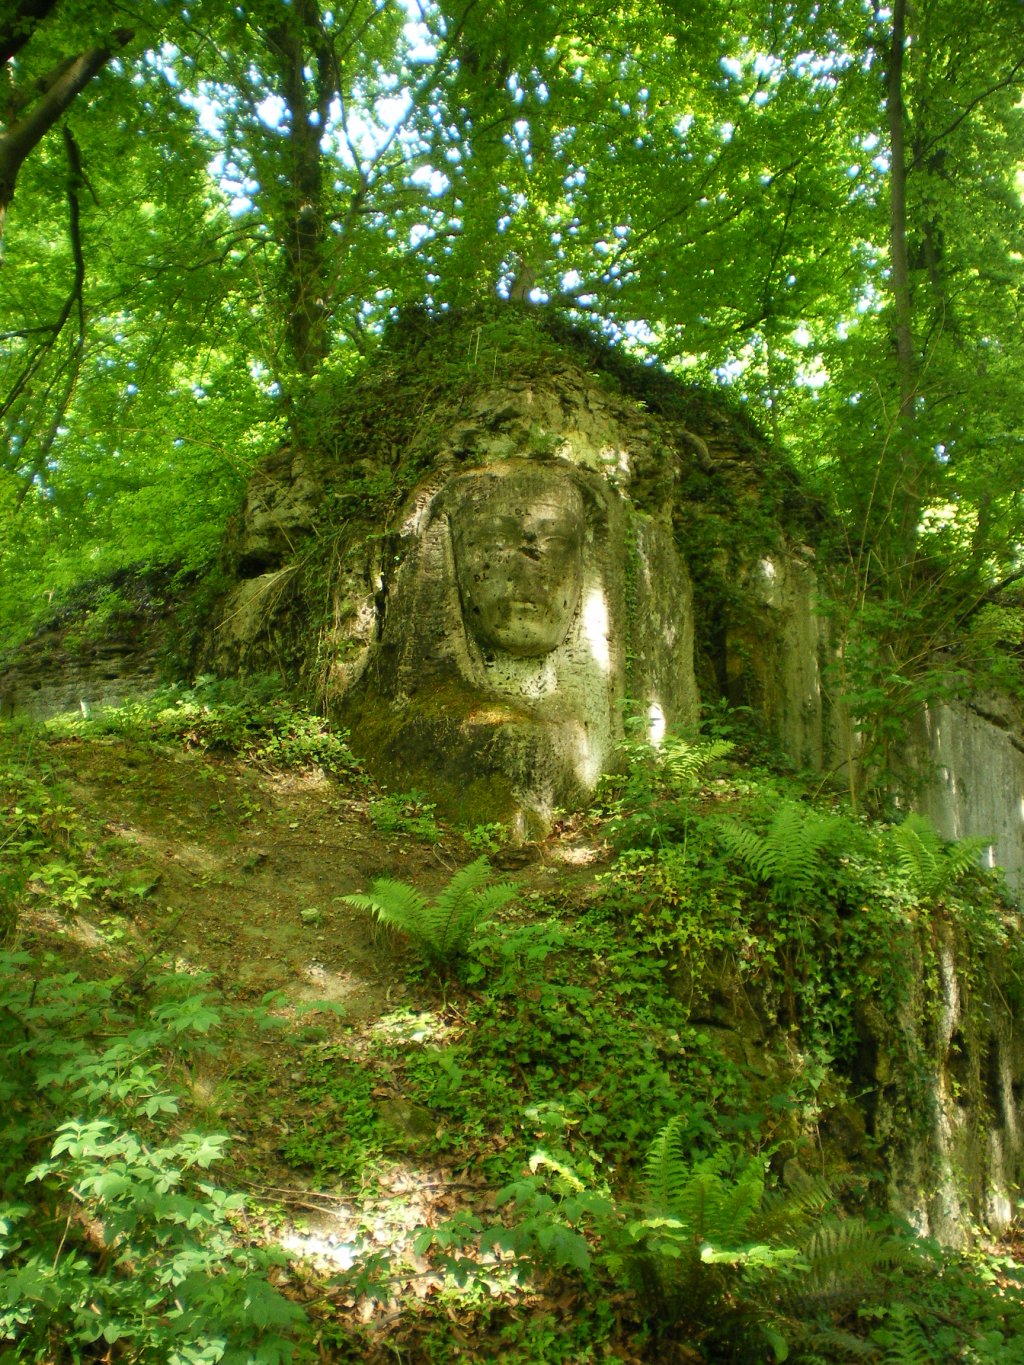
(652, 804)
(788, 856)
(253, 719)
(487, 839)
(45, 856)
(928, 864)
(114, 1237)
(338, 1134)
(405, 813)
(439, 928)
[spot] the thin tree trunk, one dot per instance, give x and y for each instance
(304, 224)
(907, 493)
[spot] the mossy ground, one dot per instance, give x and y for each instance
(367, 1099)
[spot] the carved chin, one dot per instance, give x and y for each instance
(525, 630)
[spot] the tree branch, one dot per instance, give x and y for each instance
(75, 300)
(965, 112)
(68, 80)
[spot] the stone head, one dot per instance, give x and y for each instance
(518, 535)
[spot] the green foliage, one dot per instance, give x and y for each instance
(708, 1249)
(253, 720)
(112, 1237)
(440, 928)
(547, 1078)
(338, 1135)
(405, 813)
(45, 856)
(488, 838)
(652, 803)
(788, 856)
(928, 864)
(712, 189)
(831, 912)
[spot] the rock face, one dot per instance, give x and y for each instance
(943, 1082)
(968, 760)
(508, 648)
(777, 653)
(524, 594)
(80, 664)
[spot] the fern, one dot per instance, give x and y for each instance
(651, 804)
(787, 857)
(926, 861)
(905, 1339)
(439, 928)
(685, 764)
(697, 1238)
(761, 1270)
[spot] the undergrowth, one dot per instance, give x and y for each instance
(115, 1234)
(635, 1076)
(256, 721)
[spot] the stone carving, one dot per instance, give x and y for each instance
(510, 641)
(518, 544)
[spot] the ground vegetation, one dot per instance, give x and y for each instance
(632, 1113)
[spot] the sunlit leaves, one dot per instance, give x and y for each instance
(710, 181)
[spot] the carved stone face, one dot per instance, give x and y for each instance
(518, 541)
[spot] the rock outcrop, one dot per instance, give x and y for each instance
(487, 627)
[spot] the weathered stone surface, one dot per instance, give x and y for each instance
(58, 671)
(508, 646)
(280, 508)
(968, 762)
(951, 1126)
(483, 638)
(777, 652)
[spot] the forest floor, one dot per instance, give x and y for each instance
(237, 870)
(452, 1166)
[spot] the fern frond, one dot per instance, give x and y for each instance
(905, 1339)
(468, 879)
(668, 1175)
(394, 903)
(734, 1205)
(926, 861)
(441, 928)
(686, 763)
(787, 856)
(785, 1214)
(820, 1342)
(965, 855)
(850, 1248)
(463, 903)
(708, 1201)
(918, 851)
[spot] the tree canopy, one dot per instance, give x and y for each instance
(211, 206)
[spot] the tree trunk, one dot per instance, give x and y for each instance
(304, 215)
(907, 492)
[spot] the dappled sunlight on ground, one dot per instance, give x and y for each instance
(236, 878)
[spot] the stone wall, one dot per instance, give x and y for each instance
(967, 759)
(58, 671)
